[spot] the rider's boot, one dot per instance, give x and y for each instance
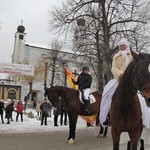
(106, 123)
(142, 144)
(87, 106)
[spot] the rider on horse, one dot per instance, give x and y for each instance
(84, 82)
(119, 64)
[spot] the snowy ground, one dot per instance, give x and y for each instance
(34, 124)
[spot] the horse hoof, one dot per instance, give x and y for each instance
(71, 141)
(99, 135)
(104, 136)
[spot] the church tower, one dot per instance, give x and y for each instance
(19, 38)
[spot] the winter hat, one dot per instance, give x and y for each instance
(124, 41)
(124, 53)
(86, 68)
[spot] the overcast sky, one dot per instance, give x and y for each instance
(35, 19)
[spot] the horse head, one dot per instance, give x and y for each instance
(141, 74)
(52, 96)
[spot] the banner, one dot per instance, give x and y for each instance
(70, 76)
(19, 69)
(89, 119)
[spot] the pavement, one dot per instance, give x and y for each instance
(86, 139)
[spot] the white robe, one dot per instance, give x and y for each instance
(106, 100)
(145, 111)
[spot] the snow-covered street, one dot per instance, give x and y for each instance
(34, 124)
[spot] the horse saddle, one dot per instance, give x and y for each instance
(91, 98)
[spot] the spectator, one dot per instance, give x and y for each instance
(50, 113)
(63, 112)
(1, 110)
(25, 99)
(19, 108)
(11, 118)
(38, 110)
(45, 108)
(56, 113)
(8, 111)
(34, 104)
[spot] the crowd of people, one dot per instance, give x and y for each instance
(10, 107)
(43, 110)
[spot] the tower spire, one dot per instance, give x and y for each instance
(22, 22)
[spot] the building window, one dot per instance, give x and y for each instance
(21, 37)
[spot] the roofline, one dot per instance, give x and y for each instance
(48, 49)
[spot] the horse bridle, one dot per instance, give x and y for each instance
(141, 87)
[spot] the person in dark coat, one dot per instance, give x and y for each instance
(19, 108)
(63, 112)
(38, 110)
(56, 113)
(45, 108)
(9, 109)
(1, 110)
(84, 82)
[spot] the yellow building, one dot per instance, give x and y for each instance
(8, 91)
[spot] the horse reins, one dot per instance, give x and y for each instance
(139, 84)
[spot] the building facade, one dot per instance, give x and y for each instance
(8, 90)
(52, 62)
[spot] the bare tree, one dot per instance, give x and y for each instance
(105, 22)
(55, 51)
(38, 76)
(55, 68)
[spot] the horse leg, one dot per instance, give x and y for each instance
(72, 127)
(142, 144)
(135, 137)
(141, 141)
(116, 138)
(103, 132)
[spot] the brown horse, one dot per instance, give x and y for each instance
(73, 105)
(125, 108)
